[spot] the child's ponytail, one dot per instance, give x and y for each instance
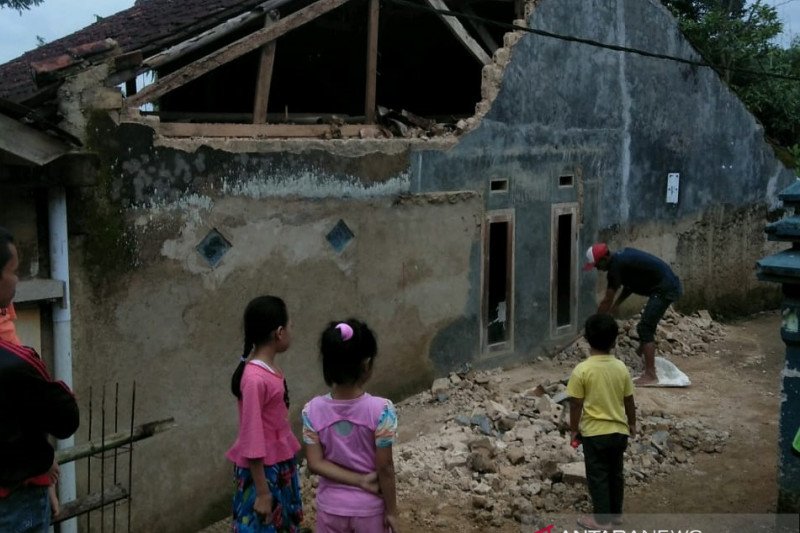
(236, 378)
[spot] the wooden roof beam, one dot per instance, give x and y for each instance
(264, 79)
(209, 36)
(460, 32)
(373, 11)
(29, 144)
(264, 131)
(232, 51)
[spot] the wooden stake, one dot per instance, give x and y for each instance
(90, 503)
(114, 441)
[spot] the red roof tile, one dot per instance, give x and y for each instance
(149, 25)
(52, 64)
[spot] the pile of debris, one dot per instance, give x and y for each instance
(507, 455)
(677, 335)
(502, 453)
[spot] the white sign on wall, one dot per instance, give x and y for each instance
(673, 184)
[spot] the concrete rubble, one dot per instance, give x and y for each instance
(503, 454)
(677, 336)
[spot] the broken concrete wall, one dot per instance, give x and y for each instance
(172, 323)
(620, 123)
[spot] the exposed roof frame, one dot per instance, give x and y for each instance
(209, 36)
(232, 51)
(31, 145)
(460, 32)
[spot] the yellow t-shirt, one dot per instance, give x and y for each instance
(602, 381)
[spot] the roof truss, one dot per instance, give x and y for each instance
(232, 51)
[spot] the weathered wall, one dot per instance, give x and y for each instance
(621, 122)
(172, 323)
(147, 307)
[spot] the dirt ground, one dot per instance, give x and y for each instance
(735, 388)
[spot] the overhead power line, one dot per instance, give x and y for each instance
(591, 42)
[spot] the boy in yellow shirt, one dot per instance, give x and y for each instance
(603, 415)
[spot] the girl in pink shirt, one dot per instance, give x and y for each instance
(267, 497)
(352, 430)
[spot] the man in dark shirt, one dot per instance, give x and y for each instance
(32, 406)
(637, 272)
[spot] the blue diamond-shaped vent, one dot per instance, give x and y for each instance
(213, 247)
(340, 236)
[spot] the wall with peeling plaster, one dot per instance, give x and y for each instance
(617, 123)
(172, 323)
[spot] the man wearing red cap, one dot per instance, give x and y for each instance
(637, 272)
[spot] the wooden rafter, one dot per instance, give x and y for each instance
(460, 31)
(182, 129)
(209, 36)
(488, 41)
(29, 144)
(372, 60)
(264, 79)
(232, 51)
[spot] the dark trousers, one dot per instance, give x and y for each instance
(604, 457)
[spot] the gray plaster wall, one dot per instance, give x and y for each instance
(620, 123)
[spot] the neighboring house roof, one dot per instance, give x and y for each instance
(148, 26)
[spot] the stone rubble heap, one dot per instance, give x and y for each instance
(677, 336)
(502, 453)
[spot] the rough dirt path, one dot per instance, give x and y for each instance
(737, 389)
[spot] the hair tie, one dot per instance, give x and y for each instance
(243, 359)
(345, 330)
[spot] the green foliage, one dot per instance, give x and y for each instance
(19, 5)
(736, 34)
(794, 151)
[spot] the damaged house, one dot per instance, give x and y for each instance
(437, 176)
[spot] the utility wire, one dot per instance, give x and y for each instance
(590, 42)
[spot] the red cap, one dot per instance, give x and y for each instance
(595, 252)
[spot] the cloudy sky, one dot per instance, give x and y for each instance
(57, 18)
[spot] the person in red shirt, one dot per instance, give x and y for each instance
(7, 330)
(32, 406)
(8, 333)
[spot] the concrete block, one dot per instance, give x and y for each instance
(573, 472)
(515, 455)
(103, 98)
(439, 386)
